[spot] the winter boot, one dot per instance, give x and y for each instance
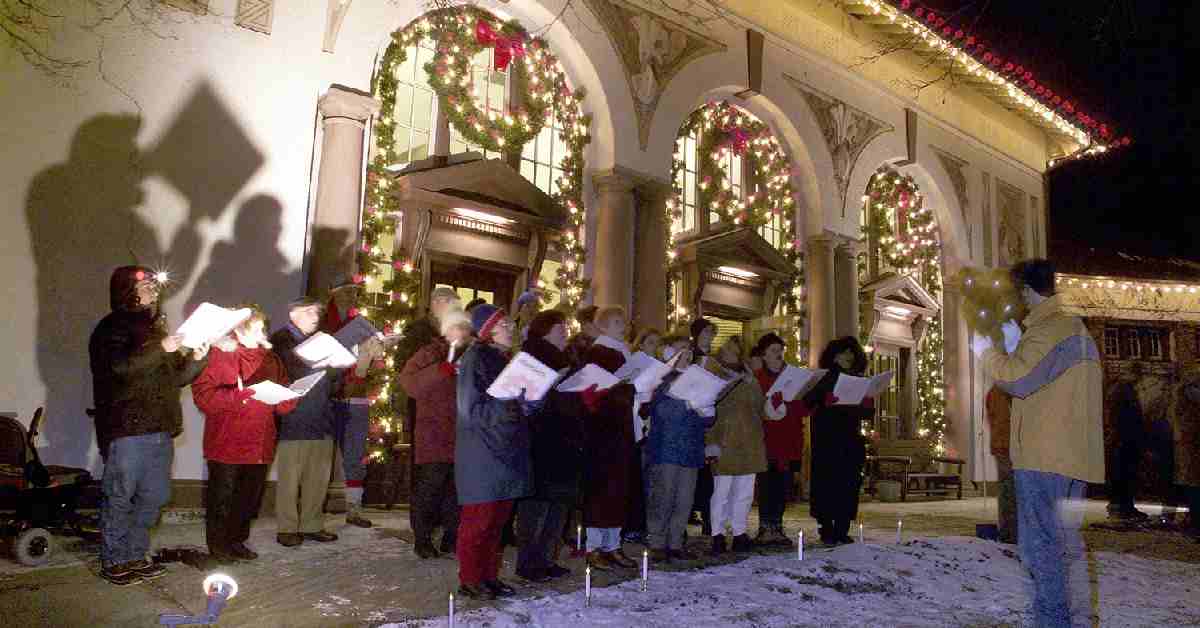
(742, 544)
(354, 514)
(718, 545)
(425, 549)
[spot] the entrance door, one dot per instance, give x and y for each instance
(474, 281)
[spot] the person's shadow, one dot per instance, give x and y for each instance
(250, 268)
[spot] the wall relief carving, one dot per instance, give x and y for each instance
(847, 131)
(1011, 203)
(988, 260)
(652, 50)
(956, 169)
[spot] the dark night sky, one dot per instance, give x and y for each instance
(1124, 61)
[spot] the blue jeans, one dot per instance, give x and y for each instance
(1050, 512)
(137, 483)
(603, 539)
(350, 424)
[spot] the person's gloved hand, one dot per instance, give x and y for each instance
(447, 369)
(244, 395)
(591, 397)
(979, 344)
(1012, 335)
(830, 399)
(777, 399)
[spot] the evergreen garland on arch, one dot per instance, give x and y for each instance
(908, 241)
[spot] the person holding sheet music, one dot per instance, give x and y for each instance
(647, 342)
(239, 434)
(612, 479)
(352, 397)
(305, 451)
(839, 449)
(492, 464)
(734, 447)
(557, 449)
(702, 332)
(137, 371)
(578, 344)
(784, 438)
(430, 378)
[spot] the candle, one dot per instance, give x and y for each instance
(579, 538)
(899, 529)
(860, 532)
(800, 546)
(451, 610)
(645, 567)
(587, 586)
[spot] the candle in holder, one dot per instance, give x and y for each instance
(800, 546)
(899, 529)
(587, 586)
(860, 532)
(451, 610)
(645, 567)
(579, 538)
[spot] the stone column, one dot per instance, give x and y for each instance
(960, 375)
(650, 257)
(846, 280)
(612, 270)
(344, 113)
(822, 313)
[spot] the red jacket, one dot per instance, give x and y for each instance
(436, 397)
(236, 432)
(785, 437)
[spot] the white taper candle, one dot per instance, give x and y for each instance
(451, 610)
(800, 546)
(587, 586)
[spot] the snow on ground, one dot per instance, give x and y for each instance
(951, 581)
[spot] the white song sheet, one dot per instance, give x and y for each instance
(851, 390)
(651, 376)
(586, 376)
(210, 323)
(271, 393)
(524, 372)
(323, 349)
(795, 381)
(698, 387)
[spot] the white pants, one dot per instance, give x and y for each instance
(731, 499)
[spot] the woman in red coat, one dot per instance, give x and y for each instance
(785, 446)
(239, 434)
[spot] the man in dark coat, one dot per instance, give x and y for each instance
(1130, 439)
(305, 453)
(137, 371)
(491, 454)
(578, 344)
(557, 431)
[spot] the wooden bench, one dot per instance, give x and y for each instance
(909, 463)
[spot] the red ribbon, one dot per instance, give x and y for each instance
(740, 138)
(506, 47)
(902, 218)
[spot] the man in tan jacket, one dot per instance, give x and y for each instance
(1056, 440)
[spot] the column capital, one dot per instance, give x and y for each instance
(345, 103)
(627, 180)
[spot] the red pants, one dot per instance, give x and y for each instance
(478, 544)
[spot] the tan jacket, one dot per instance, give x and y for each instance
(1056, 382)
(738, 431)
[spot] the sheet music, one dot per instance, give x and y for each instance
(321, 348)
(355, 332)
(697, 386)
(794, 382)
(272, 393)
(586, 376)
(851, 390)
(210, 323)
(523, 372)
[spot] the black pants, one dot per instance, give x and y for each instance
(434, 502)
(233, 495)
(1122, 481)
(539, 523)
(703, 497)
(772, 498)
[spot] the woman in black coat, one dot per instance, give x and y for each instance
(838, 446)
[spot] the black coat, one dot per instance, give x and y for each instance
(492, 460)
(838, 452)
(313, 417)
(557, 431)
(135, 383)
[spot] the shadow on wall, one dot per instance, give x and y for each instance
(85, 218)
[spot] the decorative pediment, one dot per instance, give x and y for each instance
(903, 289)
(487, 184)
(743, 248)
(847, 131)
(955, 169)
(653, 48)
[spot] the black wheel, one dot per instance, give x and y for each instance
(33, 547)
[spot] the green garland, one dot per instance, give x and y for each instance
(722, 129)
(891, 199)
(540, 78)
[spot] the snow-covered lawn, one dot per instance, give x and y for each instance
(950, 581)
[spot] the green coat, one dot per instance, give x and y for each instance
(738, 431)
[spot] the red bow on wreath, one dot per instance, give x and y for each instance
(902, 218)
(739, 138)
(506, 47)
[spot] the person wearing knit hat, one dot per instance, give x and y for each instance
(492, 462)
(528, 305)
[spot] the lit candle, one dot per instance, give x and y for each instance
(587, 586)
(899, 529)
(800, 546)
(860, 532)
(645, 567)
(451, 610)
(579, 538)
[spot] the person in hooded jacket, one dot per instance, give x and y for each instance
(137, 371)
(430, 379)
(839, 449)
(557, 448)
(492, 465)
(785, 445)
(239, 434)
